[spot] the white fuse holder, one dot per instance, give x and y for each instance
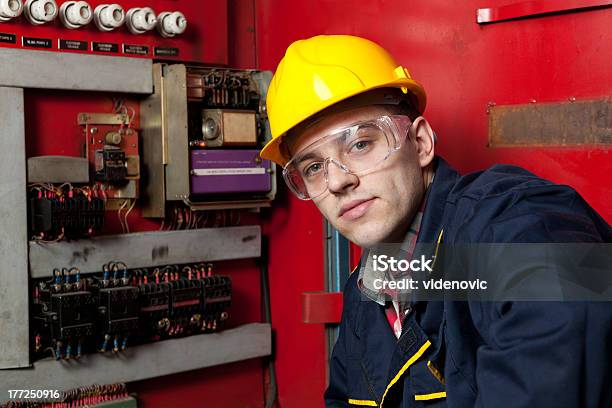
(108, 17)
(170, 24)
(39, 12)
(10, 9)
(75, 14)
(140, 20)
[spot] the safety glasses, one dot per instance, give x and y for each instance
(356, 149)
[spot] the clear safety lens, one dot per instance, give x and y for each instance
(355, 149)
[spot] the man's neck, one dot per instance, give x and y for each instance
(428, 173)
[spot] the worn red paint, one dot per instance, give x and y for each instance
(463, 66)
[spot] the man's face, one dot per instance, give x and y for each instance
(377, 207)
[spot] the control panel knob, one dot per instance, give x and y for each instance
(170, 24)
(140, 19)
(10, 9)
(39, 12)
(75, 14)
(107, 17)
(113, 138)
(210, 129)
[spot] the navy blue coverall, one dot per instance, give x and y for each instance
(482, 354)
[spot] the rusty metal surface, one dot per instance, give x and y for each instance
(551, 124)
(152, 130)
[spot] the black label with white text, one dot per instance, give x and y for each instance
(8, 38)
(166, 52)
(135, 49)
(73, 45)
(104, 47)
(37, 42)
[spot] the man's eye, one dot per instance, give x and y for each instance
(359, 146)
(312, 169)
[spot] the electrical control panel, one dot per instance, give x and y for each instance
(155, 163)
(227, 128)
(75, 314)
(112, 143)
(224, 108)
(217, 125)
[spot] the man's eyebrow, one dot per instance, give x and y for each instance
(340, 137)
(307, 156)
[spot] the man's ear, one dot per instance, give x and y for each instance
(422, 136)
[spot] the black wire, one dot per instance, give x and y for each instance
(265, 291)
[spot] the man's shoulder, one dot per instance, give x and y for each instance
(508, 203)
(498, 181)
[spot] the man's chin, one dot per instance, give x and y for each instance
(366, 238)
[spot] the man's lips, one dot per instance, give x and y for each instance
(355, 209)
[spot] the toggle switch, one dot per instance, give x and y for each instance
(75, 14)
(170, 24)
(107, 17)
(10, 9)
(140, 20)
(39, 12)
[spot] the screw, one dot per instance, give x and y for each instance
(572, 99)
(93, 130)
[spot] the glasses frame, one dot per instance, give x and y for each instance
(399, 126)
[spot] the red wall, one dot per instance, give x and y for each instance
(462, 66)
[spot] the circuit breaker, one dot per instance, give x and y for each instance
(76, 314)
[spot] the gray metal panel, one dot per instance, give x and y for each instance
(143, 362)
(151, 124)
(224, 205)
(129, 402)
(58, 169)
(263, 80)
(145, 249)
(175, 105)
(23, 68)
(14, 344)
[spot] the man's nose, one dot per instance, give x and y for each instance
(339, 178)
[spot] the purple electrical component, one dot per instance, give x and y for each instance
(229, 171)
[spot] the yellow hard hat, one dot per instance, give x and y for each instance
(320, 71)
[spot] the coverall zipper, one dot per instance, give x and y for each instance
(370, 388)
